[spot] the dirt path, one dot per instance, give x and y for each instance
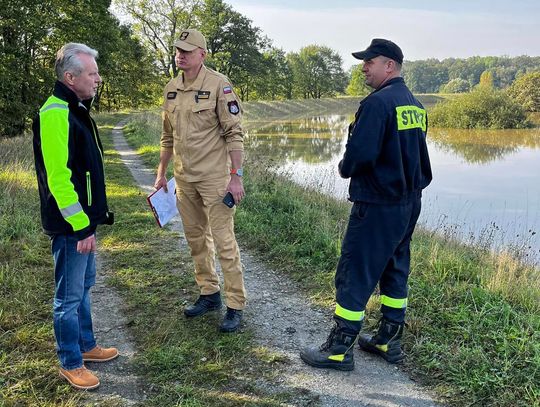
(284, 321)
(119, 383)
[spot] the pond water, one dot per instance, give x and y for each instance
(486, 185)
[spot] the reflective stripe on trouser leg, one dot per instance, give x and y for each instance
(398, 303)
(394, 280)
(348, 319)
(197, 231)
(373, 234)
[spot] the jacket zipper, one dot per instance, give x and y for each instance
(88, 188)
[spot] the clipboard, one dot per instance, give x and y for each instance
(163, 204)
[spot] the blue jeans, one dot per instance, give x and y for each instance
(74, 274)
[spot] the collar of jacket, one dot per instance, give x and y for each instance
(197, 83)
(63, 92)
(398, 79)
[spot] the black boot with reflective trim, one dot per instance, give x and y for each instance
(335, 353)
(386, 343)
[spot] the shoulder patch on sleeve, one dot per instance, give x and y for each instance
(233, 107)
(227, 90)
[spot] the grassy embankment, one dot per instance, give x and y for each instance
(28, 373)
(187, 363)
(262, 111)
(474, 317)
(474, 325)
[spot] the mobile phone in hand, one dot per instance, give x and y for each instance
(228, 200)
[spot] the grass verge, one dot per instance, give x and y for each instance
(474, 317)
(187, 362)
(28, 364)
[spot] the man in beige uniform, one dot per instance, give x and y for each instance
(201, 128)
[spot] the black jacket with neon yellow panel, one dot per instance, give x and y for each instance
(386, 155)
(69, 165)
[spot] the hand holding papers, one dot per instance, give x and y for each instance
(163, 204)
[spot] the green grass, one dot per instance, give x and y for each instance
(474, 317)
(474, 324)
(28, 364)
(187, 363)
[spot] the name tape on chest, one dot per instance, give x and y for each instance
(203, 94)
(171, 95)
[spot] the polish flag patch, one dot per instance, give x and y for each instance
(227, 89)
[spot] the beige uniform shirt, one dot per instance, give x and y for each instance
(201, 124)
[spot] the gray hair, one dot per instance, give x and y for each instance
(67, 59)
(398, 65)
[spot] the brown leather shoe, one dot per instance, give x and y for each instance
(80, 378)
(99, 354)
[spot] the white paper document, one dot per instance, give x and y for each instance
(163, 204)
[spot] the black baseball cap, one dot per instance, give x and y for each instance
(380, 46)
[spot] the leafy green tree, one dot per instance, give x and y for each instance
(526, 91)
(124, 65)
(129, 76)
(425, 76)
(158, 24)
(317, 72)
(234, 44)
(275, 82)
(483, 108)
(456, 85)
(30, 35)
(486, 80)
(357, 85)
(431, 75)
(22, 87)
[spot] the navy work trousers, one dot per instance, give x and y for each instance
(376, 249)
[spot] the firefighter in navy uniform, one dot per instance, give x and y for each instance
(387, 160)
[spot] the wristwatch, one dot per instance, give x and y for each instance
(237, 171)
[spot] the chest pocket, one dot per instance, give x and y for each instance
(203, 116)
(170, 109)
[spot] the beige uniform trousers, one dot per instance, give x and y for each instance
(209, 223)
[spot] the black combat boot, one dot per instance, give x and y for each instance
(232, 320)
(335, 353)
(204, 304)
(386, 343)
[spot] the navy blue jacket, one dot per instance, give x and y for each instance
(386, 154)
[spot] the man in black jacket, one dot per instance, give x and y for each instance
(69, 166)
(387, 160)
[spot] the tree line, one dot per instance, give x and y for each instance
(458, 75)
(137, 56)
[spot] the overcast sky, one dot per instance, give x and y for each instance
(422, 28)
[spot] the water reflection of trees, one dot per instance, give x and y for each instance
(312, 140)
(319, 139)
(483, 146)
